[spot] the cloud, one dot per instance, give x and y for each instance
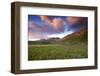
(55, 24)
(31, 25)
(36, 36)
(77, 23)
(58, 24)
(45, 18)
(73, 20)
(37, 32)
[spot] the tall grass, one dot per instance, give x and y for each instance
(61, 51)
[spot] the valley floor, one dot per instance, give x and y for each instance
(57, 51)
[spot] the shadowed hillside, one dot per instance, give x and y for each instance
(80, 35)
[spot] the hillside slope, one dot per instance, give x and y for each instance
(80, 35)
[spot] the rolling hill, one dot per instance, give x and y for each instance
(74, 37)
(80, 35)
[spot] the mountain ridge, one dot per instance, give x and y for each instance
(81, 33)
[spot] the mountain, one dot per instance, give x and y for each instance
(76, 37)
(80, 35)
(45, 41)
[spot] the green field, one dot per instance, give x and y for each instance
(57, 51)
(74, 47)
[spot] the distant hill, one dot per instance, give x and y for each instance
(75, 37)
(45, 41)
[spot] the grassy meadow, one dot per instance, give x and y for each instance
(65, 50)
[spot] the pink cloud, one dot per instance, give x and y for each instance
(36, 35)
(46, 18)
(73, 20)
(57, 24)
(48, 27)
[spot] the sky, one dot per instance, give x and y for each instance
(44, 27)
